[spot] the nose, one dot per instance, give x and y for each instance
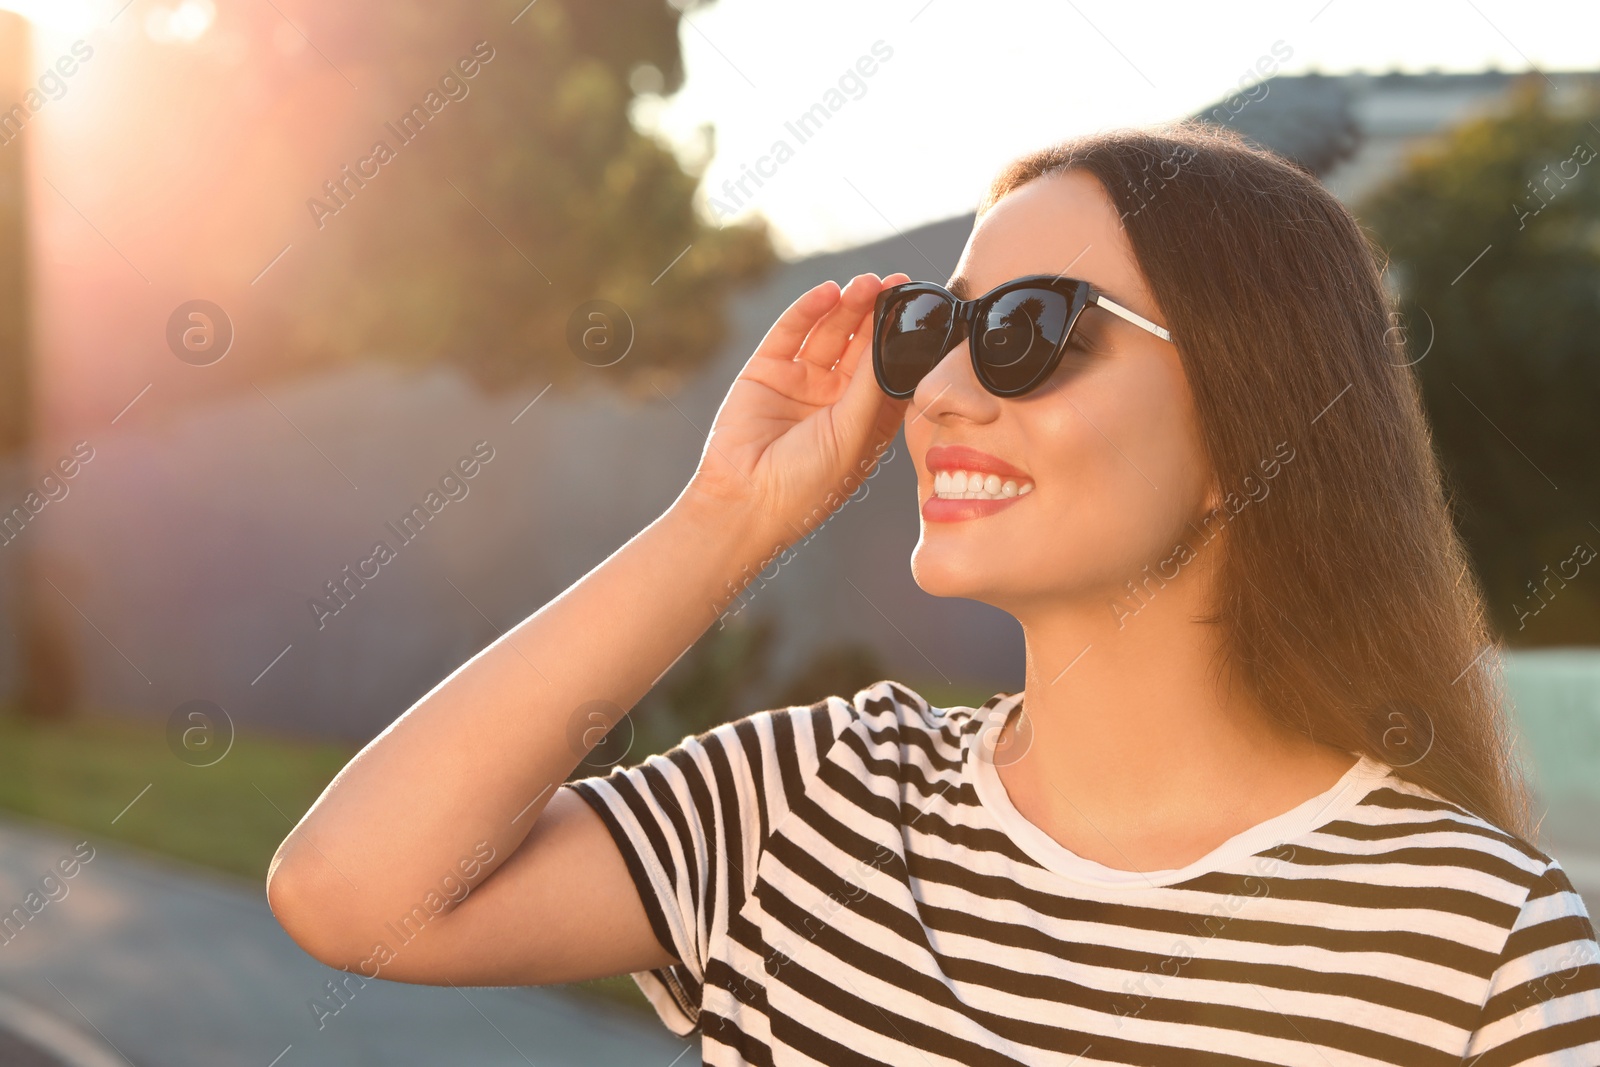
(952, 388)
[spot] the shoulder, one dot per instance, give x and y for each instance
(886, 720)
(1403, 805)
(1403, 821)
(887, 716)
(779, 750)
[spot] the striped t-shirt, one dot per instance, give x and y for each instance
(847, 883)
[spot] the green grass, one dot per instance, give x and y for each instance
(943, 694)
(83, 773)
(620, 990)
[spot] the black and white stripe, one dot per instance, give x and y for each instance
(846, 883)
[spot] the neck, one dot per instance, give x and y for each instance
(1138, 724)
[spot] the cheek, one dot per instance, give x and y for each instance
(1119, 472)
(1126, 472)
(1168, 449)
(1147, 422)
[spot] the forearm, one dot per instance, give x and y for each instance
(477, 758)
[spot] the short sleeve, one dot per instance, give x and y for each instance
(1543, 1005)
(691, 824)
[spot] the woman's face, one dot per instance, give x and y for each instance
(1109, 443)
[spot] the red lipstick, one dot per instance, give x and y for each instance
(964, 458)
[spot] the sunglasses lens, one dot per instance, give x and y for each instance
(912, 338)
(1017, 336)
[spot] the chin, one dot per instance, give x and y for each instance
(1010, 575)
(938, 572)
(961, 571)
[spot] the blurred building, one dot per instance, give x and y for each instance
(1354, 130)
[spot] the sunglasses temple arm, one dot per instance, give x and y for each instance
(1133, 317)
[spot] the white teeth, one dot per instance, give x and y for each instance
(974, 485)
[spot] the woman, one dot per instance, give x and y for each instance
(1262, 806)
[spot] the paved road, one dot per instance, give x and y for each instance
(175, 967)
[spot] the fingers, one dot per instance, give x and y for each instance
(818, 326)
(857, 363)
(826, 341)
(850, 360)
(783, 340)
(864, 414)
(861, 336)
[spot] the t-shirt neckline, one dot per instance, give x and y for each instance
(979, 770)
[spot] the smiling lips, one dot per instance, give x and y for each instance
(969, 484)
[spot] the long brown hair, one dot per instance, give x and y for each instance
(1346, 597)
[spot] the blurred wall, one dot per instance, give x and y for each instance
(193, 545)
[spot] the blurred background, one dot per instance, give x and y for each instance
(275, 276)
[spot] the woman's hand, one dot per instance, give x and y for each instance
(805, 417)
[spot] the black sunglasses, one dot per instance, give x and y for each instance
(1027, 323)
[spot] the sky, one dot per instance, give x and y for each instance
(932, 97)
(969, 85)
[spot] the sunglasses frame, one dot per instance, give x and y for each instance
(965, 317)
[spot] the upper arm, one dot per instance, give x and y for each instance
(636, 871)
(561, 908)
(1543, 1004)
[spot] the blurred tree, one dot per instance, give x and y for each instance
(1494, 234)
(837, 670)
(16, 353)
(717, 679)
(46, 683)
(722, 677)
(521, 201)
